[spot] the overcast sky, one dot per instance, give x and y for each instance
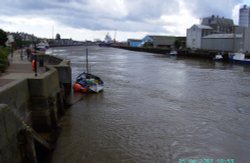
(92, 19)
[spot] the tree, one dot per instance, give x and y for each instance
(4, 51)
(58, 36)
(18, 41)
(177, 44)
(3, 37)
(148, 44)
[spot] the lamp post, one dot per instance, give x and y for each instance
(21, 52)
(35, 64)
(34, 58)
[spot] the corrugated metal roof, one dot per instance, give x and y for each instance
(158, 37)
(138, 40)
(203, 26)
(227, 35)
(163, 40)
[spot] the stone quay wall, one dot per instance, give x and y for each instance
(32, 105)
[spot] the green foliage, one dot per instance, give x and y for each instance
(177, 44)
(4, 53)
(3, 38)
(3, 58)
(148, 44)
(18, 41)
(180, 43)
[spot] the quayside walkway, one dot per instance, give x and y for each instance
(19, 68)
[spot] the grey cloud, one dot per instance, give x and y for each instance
(206, 8)
(82, 14)
(19, 7)
(140, 9)
(110, 24)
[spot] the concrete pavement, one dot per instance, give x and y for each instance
(20, 68)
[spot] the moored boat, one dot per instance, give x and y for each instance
(173, 52)
(42, 46)
(86, 82)
(238, 58)
(107, 41)
(218, 57)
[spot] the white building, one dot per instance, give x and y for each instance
(244, 16)
(194, 35)
(10, 40)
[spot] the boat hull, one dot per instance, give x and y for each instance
(86, 82)
(238, 58)
(245, 61)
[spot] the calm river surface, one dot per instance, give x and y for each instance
(156, 108)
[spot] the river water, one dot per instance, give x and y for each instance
(156, 108)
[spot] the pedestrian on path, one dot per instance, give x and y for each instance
(28, 53)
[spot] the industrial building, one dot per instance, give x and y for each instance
(237, 41)
(219, 24)
(244, 16)
(194, 35)
(209, 25)
(158, 41)
(220, 34)
(134, 42)
(222, 42)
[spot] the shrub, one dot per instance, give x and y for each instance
(3, 38)
(3, 59)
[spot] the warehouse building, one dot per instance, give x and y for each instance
(238, 41)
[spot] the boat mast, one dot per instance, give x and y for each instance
(115, 36)
(87, 67)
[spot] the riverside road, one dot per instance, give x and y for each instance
(156, 108)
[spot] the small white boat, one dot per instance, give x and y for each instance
(218, 57)
(42, 46)
(172, 52)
